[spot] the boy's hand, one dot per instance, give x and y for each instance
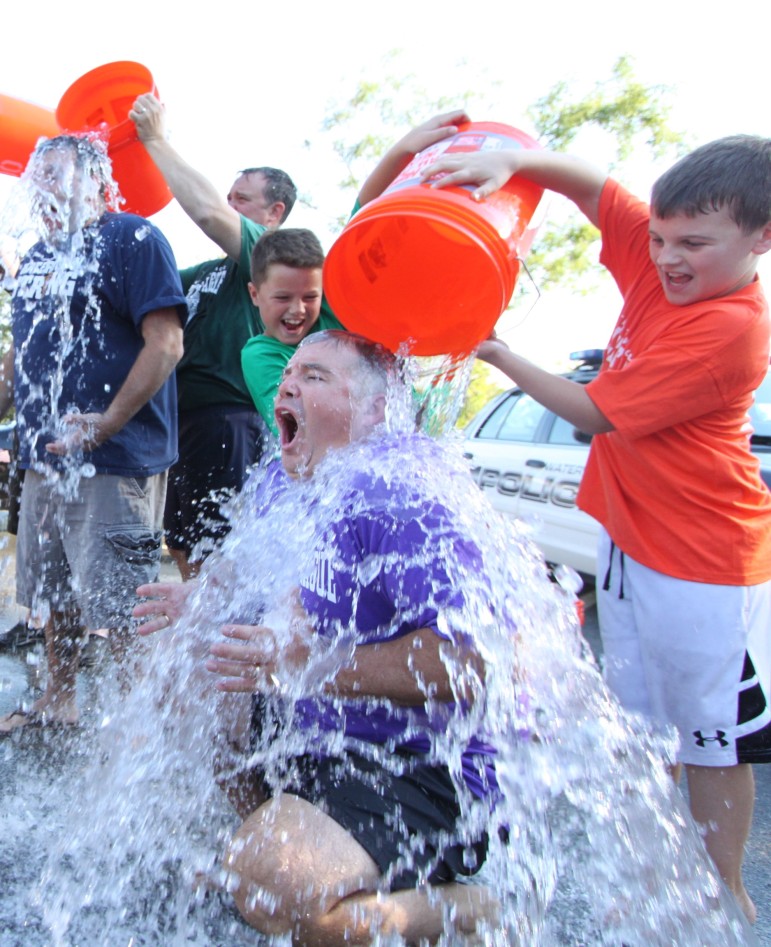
(149, 116)
(489, 170)
(396, 159)
(430, 132)
(491, 349)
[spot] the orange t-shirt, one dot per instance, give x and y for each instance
(675, 483)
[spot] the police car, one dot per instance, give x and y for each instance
(529, 462)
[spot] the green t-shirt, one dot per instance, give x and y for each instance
(264, 359)
(222, 318)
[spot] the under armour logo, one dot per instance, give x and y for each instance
(718, 738)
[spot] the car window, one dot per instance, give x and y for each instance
(760, 412)
(563, 432)
(521, 422)
(515, 419)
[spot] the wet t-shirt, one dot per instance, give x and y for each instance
(76, 320)
(386, 565)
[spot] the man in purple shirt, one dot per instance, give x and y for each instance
(363, 815)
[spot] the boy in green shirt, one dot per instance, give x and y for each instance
(286, 287)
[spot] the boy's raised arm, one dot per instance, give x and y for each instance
(578, 180)
(396, 159)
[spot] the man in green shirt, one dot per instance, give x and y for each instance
(220, 433)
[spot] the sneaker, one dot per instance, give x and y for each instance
(20, 636)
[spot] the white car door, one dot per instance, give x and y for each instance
(529, 463)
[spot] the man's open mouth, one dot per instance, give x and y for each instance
(288, 426)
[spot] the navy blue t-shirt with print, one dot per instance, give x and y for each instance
(77, 331)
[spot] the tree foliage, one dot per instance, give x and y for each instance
(631, 116)
(620, 105)
(363, 127)
(482, 388)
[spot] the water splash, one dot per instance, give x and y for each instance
(63, 191)
(600, 851)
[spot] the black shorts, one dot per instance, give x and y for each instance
(406, 819)
(217, 446)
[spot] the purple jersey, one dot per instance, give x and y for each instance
(391, 562)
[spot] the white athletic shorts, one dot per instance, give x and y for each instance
(693, 655)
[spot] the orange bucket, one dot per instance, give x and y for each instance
(21, 125)
(434, 269)
(102, 97)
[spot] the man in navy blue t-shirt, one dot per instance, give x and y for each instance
(97, 320)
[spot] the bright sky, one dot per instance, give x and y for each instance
(249, 84)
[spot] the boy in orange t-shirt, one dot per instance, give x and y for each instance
(685, 549)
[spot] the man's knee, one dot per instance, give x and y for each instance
(260, 875)
(291, 864)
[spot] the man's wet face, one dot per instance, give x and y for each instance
(67, 196)
(316, 409)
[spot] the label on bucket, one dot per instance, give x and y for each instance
(463, 142)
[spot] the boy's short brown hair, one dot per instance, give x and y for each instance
(293, 247)
(733, 172)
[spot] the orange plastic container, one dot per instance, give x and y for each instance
(21, 125)
(434, 269)
(103, 97)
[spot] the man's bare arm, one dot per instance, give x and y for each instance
(197, 196)
(408, 670)
(162, 349)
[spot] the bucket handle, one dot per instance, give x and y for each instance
(524, 266)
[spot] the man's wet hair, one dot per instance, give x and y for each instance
(278, 187)
(294, 247)
(377, 365)
(89, 153)
(733, 172)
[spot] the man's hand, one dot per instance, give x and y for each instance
(164, 603)
(83, 432)
(253, 659)
(149, 116)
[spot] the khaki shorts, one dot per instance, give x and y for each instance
(88, 552)
(690, 654)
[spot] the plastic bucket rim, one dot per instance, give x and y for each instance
(477, 227)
